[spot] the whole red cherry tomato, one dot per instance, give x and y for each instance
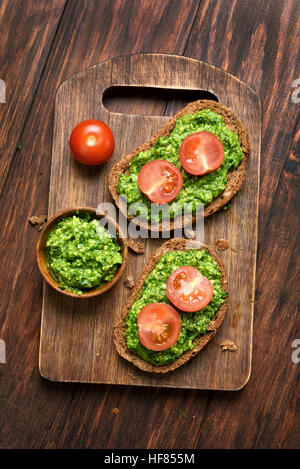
(92, 142)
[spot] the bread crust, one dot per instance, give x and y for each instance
(176, 244)
(235, 177)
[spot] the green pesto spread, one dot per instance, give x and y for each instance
(195, 190)
(81, 254)
(154, 290)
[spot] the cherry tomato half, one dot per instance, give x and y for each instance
(160, 181)
(201, 153)
(159, 326)
(92, 142)
(188, 289)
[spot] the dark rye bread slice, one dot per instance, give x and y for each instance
(176, 244)
(235, 177)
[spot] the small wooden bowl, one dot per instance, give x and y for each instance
(41, 253)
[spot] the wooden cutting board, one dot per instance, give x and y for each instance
(76, 335)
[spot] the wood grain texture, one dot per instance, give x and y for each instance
(83, 330)
(257, 42)
(26, 35)
(276, 415)
(44, 410)
(260, 49)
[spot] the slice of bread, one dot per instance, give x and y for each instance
(235, 177)
(176, 244)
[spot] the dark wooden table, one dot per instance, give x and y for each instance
(44, 42)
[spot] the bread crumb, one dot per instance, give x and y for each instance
(136, 246)
(129, 282)
(228, 345)
(233, 249)
(38, 221)
(221, 244)
(115, 410)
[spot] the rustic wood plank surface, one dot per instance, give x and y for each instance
(259, 43)
(83, 329)
(277, 421)
(47, 407)
(26, 36)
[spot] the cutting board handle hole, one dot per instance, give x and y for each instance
(149, 101)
